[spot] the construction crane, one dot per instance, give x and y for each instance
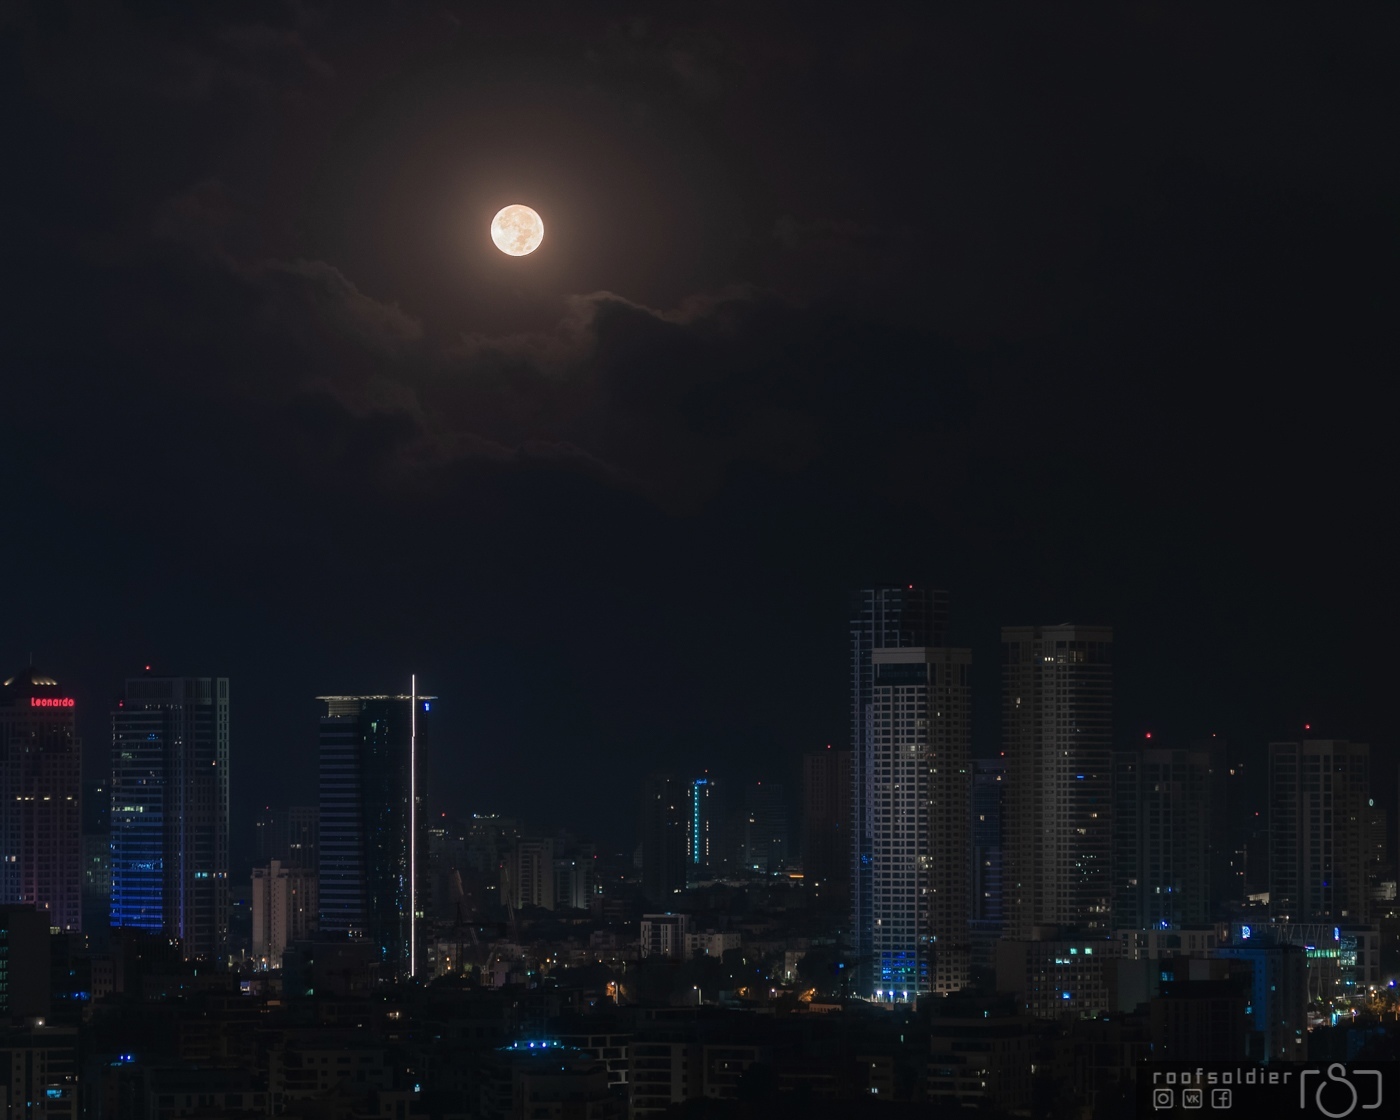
(462, 925)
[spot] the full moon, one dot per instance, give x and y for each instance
(517, 230)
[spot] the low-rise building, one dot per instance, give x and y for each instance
(1058, 977)
(711, 943)
(982, 1057)
(664, 935)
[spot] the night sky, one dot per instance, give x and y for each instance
(1082, 316)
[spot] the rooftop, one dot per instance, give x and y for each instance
(401, 696)
(30, 682)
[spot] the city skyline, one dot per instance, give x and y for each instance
(1161, 803)
(1172, 865)
(988, 742)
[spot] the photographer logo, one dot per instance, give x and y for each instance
(1337, 1095)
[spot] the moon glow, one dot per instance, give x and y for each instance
(517, 230)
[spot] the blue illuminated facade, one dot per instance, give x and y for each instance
(138, 819)
(170, 811)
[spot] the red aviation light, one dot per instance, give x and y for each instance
(50, 702)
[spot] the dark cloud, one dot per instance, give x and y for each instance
(316, 292)
(1082, 316)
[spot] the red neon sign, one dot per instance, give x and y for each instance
(50, 702)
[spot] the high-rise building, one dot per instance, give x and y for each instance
(170, 811)
(527, 874)
(284, 910)
(1166, 805)
(701, 830)
(920, 736)
(662, 826)
(488, 838)
(575, 878)
(985, 902)
(288, 835)
(1318, 792)
(826, 821)
(1379, 868)
(885, 617)
(765, 828)
(40, 800)
(1057, 723)
(372, 885)
(1244, 862)
(97, 858)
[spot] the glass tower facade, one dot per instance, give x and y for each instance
(170, 811)
(372, 829)
(138, 820)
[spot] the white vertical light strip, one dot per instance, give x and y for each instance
(413, 826)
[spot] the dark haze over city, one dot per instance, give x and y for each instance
(1080, 316)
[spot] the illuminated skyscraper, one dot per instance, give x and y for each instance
(40, 793)
(1057, 721)
(701, 830)
(372, 883)
(920, 735)
(170, 809)
(881, 618)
